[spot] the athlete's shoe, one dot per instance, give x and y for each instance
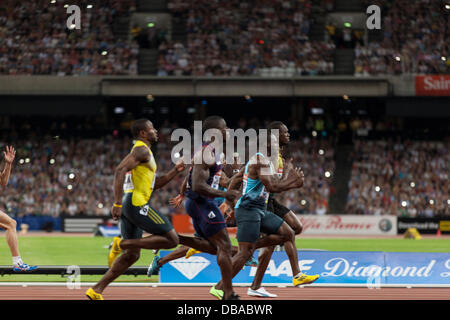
(153, 269)
(233, 296)
(23, 267)
(261, 292)
(92, 295)
(216, 293)
(252, 262)
(115, 251)
(302, 279)
(191, 252)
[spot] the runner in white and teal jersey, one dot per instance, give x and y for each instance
(253, 218)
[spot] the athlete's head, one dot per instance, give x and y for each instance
(283, 132)
(143, 129)
(216, 122)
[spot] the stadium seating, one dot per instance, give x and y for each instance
(404, 178)
(269, 40)
(413, 40)
(35, 40)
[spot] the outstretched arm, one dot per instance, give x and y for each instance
(176, 202)
(7, 165)
(165, 179)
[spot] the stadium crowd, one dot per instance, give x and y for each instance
(403, 178)
(73, 176)
(415, 39)
(235, 38)
(35, 39)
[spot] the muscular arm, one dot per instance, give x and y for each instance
(184, 185)
(5, 173)
(236, 180)
(137, 156)
(200, 174)
(165, 179)
(270, 182)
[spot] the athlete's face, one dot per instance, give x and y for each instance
(284, 135)
(150, 133)
(224, 130)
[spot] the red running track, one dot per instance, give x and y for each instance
(202, 293)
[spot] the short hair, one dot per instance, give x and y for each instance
(211, 122)
(275, 125)
(137, 126)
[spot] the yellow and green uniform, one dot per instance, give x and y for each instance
(137, 214)
(273, 205)
(141, 180)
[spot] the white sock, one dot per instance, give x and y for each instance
(17, 260)
(298, 274)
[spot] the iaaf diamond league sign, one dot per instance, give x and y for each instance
(365, 268)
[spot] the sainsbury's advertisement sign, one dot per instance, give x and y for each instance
(433, 85)
(364, 268)
(348, 224)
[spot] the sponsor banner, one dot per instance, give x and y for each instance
(348, 224)
(365, 268)
(423, 225)
(433, 85)
(112, 231)
(417, 268)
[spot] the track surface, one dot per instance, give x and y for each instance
(201, 293)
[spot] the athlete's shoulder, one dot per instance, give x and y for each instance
(141, 152)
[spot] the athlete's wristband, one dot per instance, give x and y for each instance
(117, 205)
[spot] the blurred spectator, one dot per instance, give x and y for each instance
(408, 179)
(34, 39)
(236, 38)
(415, 40)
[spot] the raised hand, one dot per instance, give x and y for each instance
(10, 154)
(300, 177)
(232, 195)
(176, 202)
(180, 166)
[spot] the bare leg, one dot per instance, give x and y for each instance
(10, 225)
(202, 245)
(198, 243)
(246, 250)
(223, 244)
(266, 253)
(122, 263)
(166, 241)
(263, 262)
(292, 220)
(176, 254)
(290, 247)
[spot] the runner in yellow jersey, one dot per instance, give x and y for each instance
(134, 181)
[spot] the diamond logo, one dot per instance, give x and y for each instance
(211, 215)
(191, 267)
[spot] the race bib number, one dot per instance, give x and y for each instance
(128, 184)
(216, 180)
(244, 183)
